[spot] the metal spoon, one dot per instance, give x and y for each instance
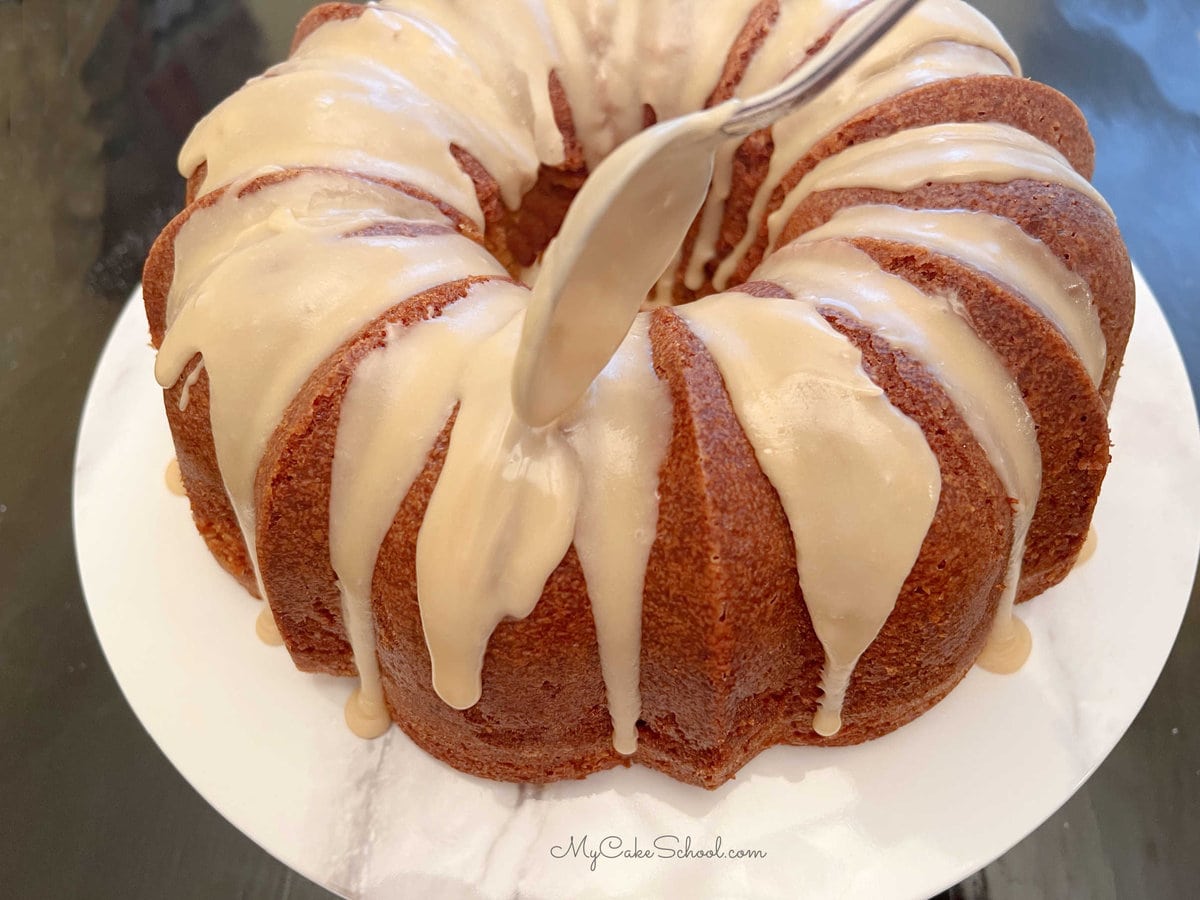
(599, 269)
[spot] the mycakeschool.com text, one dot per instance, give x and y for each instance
(665, 846)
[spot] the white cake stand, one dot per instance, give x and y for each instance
(901, 817)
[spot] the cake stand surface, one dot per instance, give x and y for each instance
(901, 817)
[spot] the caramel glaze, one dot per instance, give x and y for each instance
(1089, 547)
(1081, 234)
(266, 629)
(174, 480)
(1073, 438)
(1028, 105)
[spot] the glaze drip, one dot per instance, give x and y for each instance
(839, 276)
(314, 273)
(1088, 550)
(266, 629)
(366, 716)
(383, 439)
(174, 479)
(856, 477)
(949, 153)
(620, 433)
(473, 569)
(998, 248)
(189, 383)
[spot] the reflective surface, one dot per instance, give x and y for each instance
(98, 96)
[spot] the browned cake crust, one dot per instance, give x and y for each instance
(730, 663)
(319, 15)
(191, 427)
(1032, 107)
(1068, 411)
(293, 522)
(542, 715)
(1083, 236)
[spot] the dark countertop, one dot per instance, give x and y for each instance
(98, 95)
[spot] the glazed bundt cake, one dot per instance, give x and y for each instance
(862, 414)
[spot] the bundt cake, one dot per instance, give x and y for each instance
(861, 415)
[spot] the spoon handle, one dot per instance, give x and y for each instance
(772, 105)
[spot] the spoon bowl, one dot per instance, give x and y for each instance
(589, 289)
(626, 224)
